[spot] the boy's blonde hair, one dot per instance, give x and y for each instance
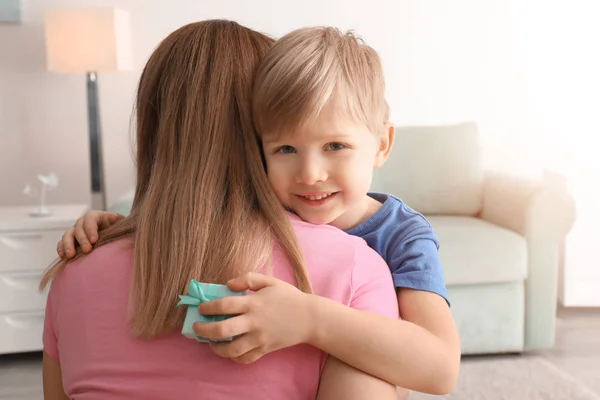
(312, 68)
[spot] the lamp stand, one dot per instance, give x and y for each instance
(96, 166)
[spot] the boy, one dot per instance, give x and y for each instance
(320, 111)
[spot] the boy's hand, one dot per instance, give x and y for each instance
(85, 232)
(275, 317)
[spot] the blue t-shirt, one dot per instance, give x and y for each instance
(407, 242)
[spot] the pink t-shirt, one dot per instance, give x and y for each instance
(86, 328)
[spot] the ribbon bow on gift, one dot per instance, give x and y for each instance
(195, 295)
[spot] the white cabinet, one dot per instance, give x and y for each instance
(27, 248)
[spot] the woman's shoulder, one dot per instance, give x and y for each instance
(116, 249)
(342, 267)
(330, 245)
(104, 262)
(307, 230)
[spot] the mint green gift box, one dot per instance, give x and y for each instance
(199, 293)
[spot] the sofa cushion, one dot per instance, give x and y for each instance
(435, 169)
(474, 251)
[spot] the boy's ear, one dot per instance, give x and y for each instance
(386, 142)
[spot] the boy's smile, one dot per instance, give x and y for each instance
(324, 170)
(317, 199)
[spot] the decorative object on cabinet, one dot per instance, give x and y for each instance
(47, 181)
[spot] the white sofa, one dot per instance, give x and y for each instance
(500, 236)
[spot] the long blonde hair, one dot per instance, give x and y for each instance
(203, 207)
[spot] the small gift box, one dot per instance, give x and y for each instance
(199, 293)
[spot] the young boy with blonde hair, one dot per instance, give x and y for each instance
(322, 117)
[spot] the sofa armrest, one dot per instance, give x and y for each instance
(543, 215)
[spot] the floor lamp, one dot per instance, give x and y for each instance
(90, 42)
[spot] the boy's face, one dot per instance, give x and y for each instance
(323, 172)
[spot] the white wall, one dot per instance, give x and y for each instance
(446, 61)
(562, 65)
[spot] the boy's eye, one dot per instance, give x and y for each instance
(285, 150)
(335, 146)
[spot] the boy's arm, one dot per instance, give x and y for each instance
(402, 352)
(278, 315)
(431, 312)
(341, 381)
(422, 352)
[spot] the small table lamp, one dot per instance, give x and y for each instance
(90, 41)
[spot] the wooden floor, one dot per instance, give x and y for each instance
(576, 353)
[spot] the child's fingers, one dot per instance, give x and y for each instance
(237, 349)
(104, 221)
(107, 219)
(238, 284)
(90, 224)
(251, 356)
(81, 235)
(230, 327)
(59, 249)
(251, 280)
(116, 216)
(68, 243)
(226, 306)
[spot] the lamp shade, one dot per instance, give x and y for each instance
(88, 40)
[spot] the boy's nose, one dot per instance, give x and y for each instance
(311, 172)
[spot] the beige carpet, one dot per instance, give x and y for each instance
(513, 378)
(482, 378)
